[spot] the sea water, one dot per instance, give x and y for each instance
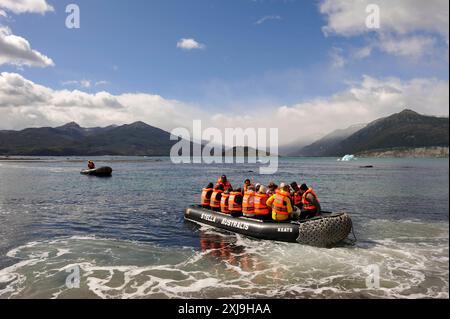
(125, 236)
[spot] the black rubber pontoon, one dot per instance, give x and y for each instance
(324, 231)
(101, 171)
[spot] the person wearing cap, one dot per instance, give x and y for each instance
(310, 201)
(223, 181)
(91, 165)
(281, 204)
(205, 199)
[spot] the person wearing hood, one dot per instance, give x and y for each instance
(281, 204)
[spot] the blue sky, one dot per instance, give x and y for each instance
(255, 53)
(241, 59)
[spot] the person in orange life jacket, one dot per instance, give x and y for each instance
(91, 165)
(262, 210)
(296, 195)
(224, 202)
(281, 204)
(248, 207)
(311, 206)
(235, 203)
(223, 181)
(216, 196)
(206, 195)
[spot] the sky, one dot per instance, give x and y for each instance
(304, 67)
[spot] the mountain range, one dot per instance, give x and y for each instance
(404, 130)
(134, 139)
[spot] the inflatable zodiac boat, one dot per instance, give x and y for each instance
(101, 171)
(324, 231)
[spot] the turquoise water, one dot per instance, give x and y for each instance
(126, 235)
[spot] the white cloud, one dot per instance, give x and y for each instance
(267, 18)
(17, 51)
(363, 52)
(347, 17)
(26, 6)
(337, 58)
(24, 103)
(413, 28)
(81, 83)
(84, 84)
(189, 44)
(3, 14)
(413, 46)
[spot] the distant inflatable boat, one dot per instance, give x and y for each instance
(101, 171)
(324, 231)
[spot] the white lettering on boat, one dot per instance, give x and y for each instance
(284, 230)
(208, 217)
(234, 224)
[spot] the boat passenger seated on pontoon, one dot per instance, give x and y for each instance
(262, 211)
(248, 207)
(206, 195)
(216, 197)
(281, 204)
(91, 165)
(235, 203)
(310, 201)
(224, 202)
(223, 181)
(296, 195)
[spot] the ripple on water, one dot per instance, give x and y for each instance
(225, 267)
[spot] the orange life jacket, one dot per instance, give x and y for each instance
(306, 204)
(206, 196)
(248, 208)
(226, 185)
(233, 205)
(215, 203)
(297, 198)
(224, 204)
(260, 204)
(279, 203)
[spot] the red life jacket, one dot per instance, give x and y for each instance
(248, 208)
(224, 204)
(260, 204)
(306, 204)
(279, 203)
(226, 185)
(233, 205)
(215, 203)
(297, 198)
(206, 196)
